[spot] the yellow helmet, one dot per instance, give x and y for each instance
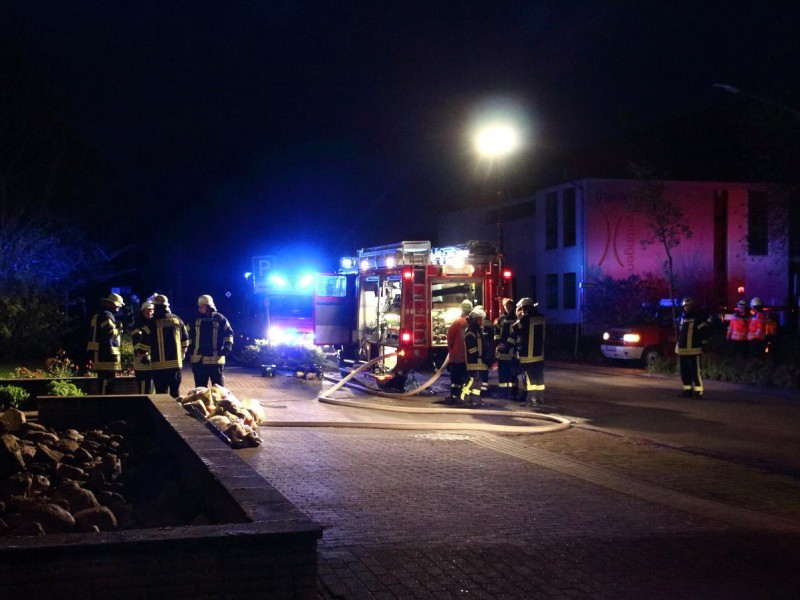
(115, 299)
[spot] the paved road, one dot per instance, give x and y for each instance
(596, 511)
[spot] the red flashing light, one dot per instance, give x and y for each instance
(741, 289)
(506, 273)
(405, 337)
(408, 273)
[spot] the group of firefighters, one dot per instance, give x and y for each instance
(161, 343)
(747, 331)
(515, 341)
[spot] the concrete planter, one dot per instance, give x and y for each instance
(125, 385)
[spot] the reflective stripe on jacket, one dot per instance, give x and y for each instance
(738, 327)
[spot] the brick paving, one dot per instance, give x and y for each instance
(455, 514)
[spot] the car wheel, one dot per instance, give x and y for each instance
(650, 356)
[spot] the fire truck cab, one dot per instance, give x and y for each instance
(403, 297)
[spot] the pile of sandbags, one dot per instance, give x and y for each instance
(236, 419)
(56, 482)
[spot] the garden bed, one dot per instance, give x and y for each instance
(257, 542)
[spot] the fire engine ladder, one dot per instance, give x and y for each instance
(420, 326)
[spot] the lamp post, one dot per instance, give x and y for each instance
(495, 142)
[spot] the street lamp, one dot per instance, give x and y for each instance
(495, 142)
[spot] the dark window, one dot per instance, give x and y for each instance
(552, 290)
(551, 220)
(570, 291)
(757, 230)
(569, 217)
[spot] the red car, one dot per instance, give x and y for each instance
(650, 338)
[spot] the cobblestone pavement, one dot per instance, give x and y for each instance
(470, 514)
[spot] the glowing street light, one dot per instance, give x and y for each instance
(497, 141)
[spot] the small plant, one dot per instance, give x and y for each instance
(58, 387)
(60, 366)
(13, 396)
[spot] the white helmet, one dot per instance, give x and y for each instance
(525, 302)
(466, 306)
(146, 305)
(756, 302)
(477, 313)
(206, 300)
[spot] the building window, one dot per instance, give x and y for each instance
(552, 290)
(551, 220)
(570, 291)
(568, 202)
(757, 229)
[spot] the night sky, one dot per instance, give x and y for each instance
(232, 129)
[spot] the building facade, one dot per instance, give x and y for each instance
(563, 239)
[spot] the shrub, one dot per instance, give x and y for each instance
(13, 396)
(283, 355)
(60, 366)
(59, 387)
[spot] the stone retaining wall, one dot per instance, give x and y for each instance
(261, 545)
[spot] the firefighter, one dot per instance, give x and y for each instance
(165, 341)
(457, 358)
(504, 352)
(141, 360)
(476, 366)
(757, 330)
(210, 341)
(692, 335)
(104, 343)
(737, 330)
(527, 336)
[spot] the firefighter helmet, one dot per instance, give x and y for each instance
(525, 302)
(146, 305)
(161, 300)
(466, 306)
(477, 313)
(206, 300)
(688, 301)
(115, 299)
(742, 303)
(756, 303)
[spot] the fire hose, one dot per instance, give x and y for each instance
(557, 423)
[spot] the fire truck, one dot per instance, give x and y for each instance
(400, 299)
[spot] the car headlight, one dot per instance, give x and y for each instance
(631, 338)
(606, 336)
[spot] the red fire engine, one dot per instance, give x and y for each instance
(402, 298)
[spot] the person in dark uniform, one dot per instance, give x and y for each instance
(504, 352)
(527, 336)
(164, 340)
(692, 334)
(210, 341)
(476, 366)
(141, 361)
(104, 343)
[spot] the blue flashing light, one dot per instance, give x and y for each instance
(277, 280)
(306, 281)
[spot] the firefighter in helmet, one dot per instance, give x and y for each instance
(737, 330)
(210, 341)
(757, 331)
(457, 360)
(504, 352)
(104, 343)
(164, 340)
(141, 360)
(476, 366)
(692, 335)
(527, 336)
